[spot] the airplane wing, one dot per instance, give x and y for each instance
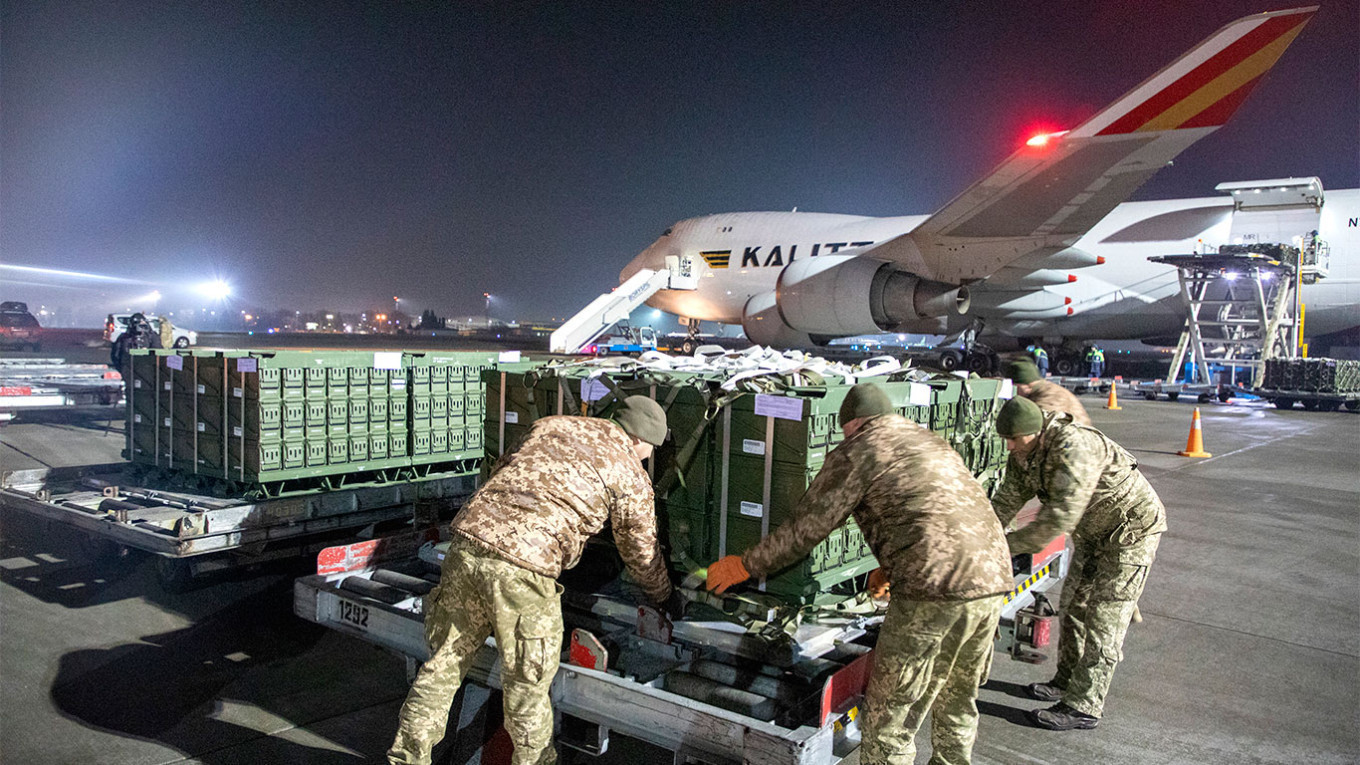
(1056, 187)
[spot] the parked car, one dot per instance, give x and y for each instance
(116, 324)
(18, 328)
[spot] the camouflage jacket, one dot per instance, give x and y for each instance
(1090, 488)
(925, 517)
(1052, 397)
(569, 476)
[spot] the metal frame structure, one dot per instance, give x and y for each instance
(1252, 302)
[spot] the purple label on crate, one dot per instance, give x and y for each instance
(783, 407)
(174, 362)
(244, 364)
(593, 390)
(387, 360)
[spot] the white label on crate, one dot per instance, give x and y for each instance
(751, 446)
(783, 407)
(593, 390)
(136, 418)
(753, 509)
(512, 418)
(919, 395)
(202, 390)
(174, 362)
(202, 427)
(167, 385)
(398, 383)
(509, 357)
(136, 383)
(237, 393)
(387, 360)
(244, 364)
(1007, 389)
(167, 422)
(236, 431)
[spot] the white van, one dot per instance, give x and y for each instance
(117, 323)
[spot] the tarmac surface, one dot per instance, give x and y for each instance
(1249, 651)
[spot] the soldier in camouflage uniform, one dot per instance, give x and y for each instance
(527, 524)
(1089, 487)
(939, 547)
(1051, 397)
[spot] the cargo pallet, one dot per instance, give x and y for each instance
(1310, 400)
(51, 383)
(194, 533)
(705, 691)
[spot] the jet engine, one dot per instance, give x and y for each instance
(841, 295)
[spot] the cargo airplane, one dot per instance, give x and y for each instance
(1045, 247)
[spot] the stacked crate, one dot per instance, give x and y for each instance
(270, 416)
(737, 463)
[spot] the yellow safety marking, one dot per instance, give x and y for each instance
(1028, 583)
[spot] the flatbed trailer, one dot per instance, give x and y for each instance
(1310, 400)
(709, 691)
(51, 383)
(118, 507)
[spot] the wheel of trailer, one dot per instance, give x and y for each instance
(1283, 402)
(1066, 367)
(182, 342)
(174, 574)
(1310, 404)
(1224, 394)
(950, 360)
(1328, 405)
(687, 347)
(1150, 395)
(1172, 396)
(1205, 398)
(1353, 405)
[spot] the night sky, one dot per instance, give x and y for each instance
(331, 155)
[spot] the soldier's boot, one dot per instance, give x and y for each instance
(1049, 691)
(1062, 717)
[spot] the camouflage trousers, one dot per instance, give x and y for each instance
(478, 595)
(930, 655)
(1098, 600)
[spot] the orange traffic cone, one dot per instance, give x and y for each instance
(1194, 446)
(1113, 401)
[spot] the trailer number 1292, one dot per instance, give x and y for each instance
(354, 614)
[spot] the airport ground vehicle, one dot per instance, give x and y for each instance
(18, 328)
(116, 324)
(625, 340)
(707, 688)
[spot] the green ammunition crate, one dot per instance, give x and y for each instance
(397, 444)
(377, 446)
(358, 415)
(337, 451)
(337, 417)
(358, 448)
(317, 452)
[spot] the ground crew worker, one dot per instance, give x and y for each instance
(528, 523)
(1040, 357)
(940, 549)
(1051, 397)
(1090, 488)
(1095, 361)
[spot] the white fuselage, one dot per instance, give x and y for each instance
(1127, 297)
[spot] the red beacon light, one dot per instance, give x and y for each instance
(1042, 139)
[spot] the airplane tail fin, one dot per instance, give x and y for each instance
(1056, 187)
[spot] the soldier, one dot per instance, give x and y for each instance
(1090, 488)
(941, 550)
(527, 524)
(167, 331)
(1051, 397)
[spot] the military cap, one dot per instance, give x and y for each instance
(641, 417)
(1022, 371)
(864, 400)
(1019, 417)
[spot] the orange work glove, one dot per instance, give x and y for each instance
(878, 584)
(725, 573)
